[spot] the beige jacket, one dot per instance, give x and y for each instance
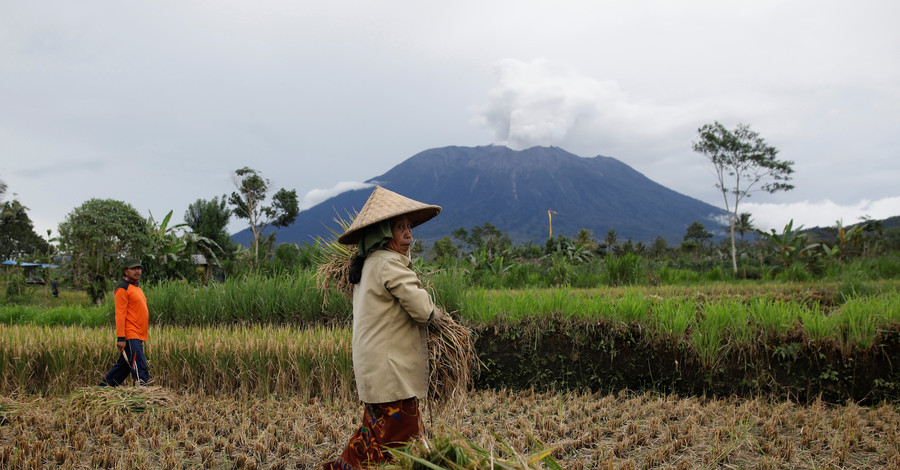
(391, 311)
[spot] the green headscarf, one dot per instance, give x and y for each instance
(374, 237)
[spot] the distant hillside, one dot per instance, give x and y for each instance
(513, 190)
(829, 234)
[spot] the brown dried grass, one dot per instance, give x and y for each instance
(582, 430)
(131, 398)
(452, 360)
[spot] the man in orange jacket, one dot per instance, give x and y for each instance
(132, 320)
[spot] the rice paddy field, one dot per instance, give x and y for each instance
(158, 427)
(716, 376)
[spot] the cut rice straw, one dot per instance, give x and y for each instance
(135, 399)
(334, 263)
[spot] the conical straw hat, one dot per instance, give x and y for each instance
(383, 205)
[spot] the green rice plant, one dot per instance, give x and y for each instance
(672, 317)
(889, 305)
(861, 318)
(480, 306)
(818, 325)
(484, 305)
(715, 329)
(632, 307)
(771, 316)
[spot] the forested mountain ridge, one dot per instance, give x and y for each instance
(514, 190)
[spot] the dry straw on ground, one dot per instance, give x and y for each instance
(130, 398)
(581, 430)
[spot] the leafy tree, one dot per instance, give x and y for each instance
(444, 249)
(660, 247)
(417, 248)
(252, 190)
(697, 233)
(210, 219)
(17, 235)
(486, 238)
(97, 235)
(744, 163)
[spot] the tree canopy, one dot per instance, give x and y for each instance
(744, 163)
(17, 235)
(210, 219)
(248, 200)
(96, 236)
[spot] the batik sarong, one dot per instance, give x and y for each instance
(384, 425)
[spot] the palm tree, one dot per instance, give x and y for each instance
(744, 224)
(612, 239)
(585, 238)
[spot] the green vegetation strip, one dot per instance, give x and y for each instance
(707, 324)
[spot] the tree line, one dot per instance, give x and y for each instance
(96, 235)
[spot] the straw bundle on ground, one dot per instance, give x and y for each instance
(126, 398)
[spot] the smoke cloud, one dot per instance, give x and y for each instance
(320, 195)
(551, 103)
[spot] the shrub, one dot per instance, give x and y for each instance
(627, 269)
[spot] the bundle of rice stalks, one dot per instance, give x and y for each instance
(334, 263)
(451, 346)
(463, 454)
(133, 399)
(452, 360)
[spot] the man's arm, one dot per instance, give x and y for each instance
(121, 296)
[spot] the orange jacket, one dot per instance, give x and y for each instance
(132, 314)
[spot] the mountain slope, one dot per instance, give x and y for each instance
(513, 190)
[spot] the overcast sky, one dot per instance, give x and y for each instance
(157, 103)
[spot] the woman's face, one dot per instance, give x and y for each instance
(402, 235)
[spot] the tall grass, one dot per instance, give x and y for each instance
(256, 360)
(57, 315)
(291, 298)
(624, 270)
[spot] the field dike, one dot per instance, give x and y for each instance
(556, 352)
(547, 353)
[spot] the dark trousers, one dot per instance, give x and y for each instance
(136, 366)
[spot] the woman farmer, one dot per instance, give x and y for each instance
(391, 311)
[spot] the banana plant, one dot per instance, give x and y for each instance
(790, 245)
